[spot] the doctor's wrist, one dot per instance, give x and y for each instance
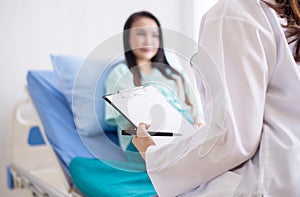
(142, 144)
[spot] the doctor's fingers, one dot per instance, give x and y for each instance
(142, 130)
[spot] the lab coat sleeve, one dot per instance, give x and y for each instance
(241, 52)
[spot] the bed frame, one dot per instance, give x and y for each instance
(32, 163)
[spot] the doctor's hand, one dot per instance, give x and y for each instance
(142, 140)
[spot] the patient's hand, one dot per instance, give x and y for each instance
(198, 123)
(142, 140)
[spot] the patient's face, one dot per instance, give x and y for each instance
(144, 39)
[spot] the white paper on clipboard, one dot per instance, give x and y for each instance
(146, 104)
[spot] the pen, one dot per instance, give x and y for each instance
(152, 133)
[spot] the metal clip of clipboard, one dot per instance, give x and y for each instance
(140, 90)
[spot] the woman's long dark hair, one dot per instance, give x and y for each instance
(159, 61)
(289, 10)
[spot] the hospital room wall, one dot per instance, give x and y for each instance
(31, 30)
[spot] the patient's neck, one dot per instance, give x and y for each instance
(145, 67)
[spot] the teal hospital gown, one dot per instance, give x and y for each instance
(121, 78)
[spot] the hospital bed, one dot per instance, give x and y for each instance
(46, 153)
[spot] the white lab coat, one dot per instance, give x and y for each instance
(258, 149)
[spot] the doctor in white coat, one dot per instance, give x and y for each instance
(256, 151)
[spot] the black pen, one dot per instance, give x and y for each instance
(152, 133)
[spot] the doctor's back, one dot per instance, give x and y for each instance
(274, 85)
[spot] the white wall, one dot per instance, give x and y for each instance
(32, 29)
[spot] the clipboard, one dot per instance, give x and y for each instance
(147, 104)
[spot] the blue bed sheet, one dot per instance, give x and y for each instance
(57, 119)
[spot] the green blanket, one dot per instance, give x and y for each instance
(110, 178)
